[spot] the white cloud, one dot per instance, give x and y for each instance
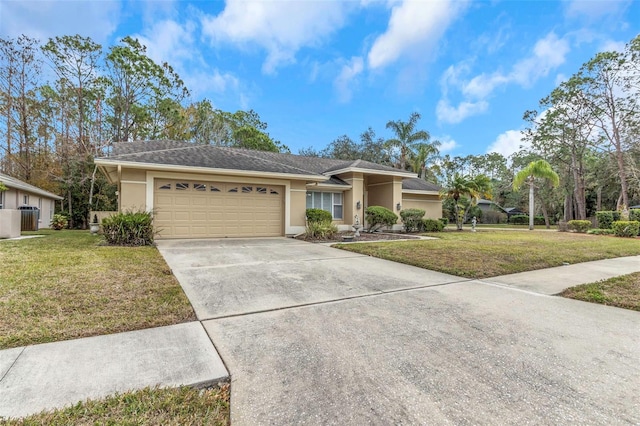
(45, 19)
(508, 143)
(594, 9)
(547, 54)
(612, 46)
(413, 26)
(280, 27)
(169, 41)
(446, 113)
(447, 144)
(345, 80)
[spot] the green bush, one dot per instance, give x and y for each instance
(606, 218)
(444, 220)
(412, 219)
(580, 226)
(598, 231)
(493, 217)
(634, 214)
(432, 225)
(538, 220)
(626, 228)
(519, 219)
(59, 222)
(129, 229)
(321, 230)
(378, 216)
(318, 216)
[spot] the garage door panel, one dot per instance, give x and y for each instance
(213, 209)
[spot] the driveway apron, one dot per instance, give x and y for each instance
(314, 335)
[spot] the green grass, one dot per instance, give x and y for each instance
(492, 253)
(171, 406)
(622, 292)
(66, 285)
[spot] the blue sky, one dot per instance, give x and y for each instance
(315, 70)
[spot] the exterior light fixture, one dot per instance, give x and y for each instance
(398, 206)
(358, 205)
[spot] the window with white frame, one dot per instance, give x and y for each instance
(329, 201)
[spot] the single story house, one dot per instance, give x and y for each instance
(21, 195)
(199, 191)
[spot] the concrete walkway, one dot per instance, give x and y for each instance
(315, 335)
(52, 375)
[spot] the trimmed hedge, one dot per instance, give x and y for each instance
(581, 226)
(412, 219)
(378, 216)
(626, 228)
(444, 220)
(129, 229)
(318, 216)
(598, 231)
(432, 225)
(523, 219)
(634, 214)
(606, 218)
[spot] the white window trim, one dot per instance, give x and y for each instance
(333, 202)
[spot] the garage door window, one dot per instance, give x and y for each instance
(329, 201)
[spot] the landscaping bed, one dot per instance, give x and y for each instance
(67, 285)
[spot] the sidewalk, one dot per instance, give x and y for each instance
(52, 375)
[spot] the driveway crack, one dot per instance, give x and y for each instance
(12, 364)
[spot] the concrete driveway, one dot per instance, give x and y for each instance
(315, 335)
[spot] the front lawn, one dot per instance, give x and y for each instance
(491, 253)
(623, 292)
(172, 406)
(65, 286)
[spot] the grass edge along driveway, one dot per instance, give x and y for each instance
(67, 285)
(485, 254)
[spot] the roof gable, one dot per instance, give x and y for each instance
(14, 183)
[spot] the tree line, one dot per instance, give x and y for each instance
(67, 100)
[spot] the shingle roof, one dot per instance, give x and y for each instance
(417, 184)
(11, 182)
(179, 153)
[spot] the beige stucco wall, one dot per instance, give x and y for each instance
(10, 223)
(431, 204)
(14, 198)
(385, 191)
(133, 190)
(298, 203)
(352, 196)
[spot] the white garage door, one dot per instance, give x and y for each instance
(200, 209)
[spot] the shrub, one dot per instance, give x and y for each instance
(129, 229)
(444, 220)
(634, 214)
(412, 219)
(59, 222)
(626, 228)
(580, 226)
(318, 216)
(432, 225)
(321, 230)
(598, 231)
(538, 220)
(519, 219)
(378, 216)
(606, 218)
(493, 217)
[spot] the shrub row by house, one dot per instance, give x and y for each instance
(129, 229)
(413, 221)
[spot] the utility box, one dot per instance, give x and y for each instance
(30, 217)
(9, 223)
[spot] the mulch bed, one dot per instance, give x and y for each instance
(364, 236)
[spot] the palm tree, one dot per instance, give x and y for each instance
(406, 137)
(466, 186)
(425, 153)
(536, 169)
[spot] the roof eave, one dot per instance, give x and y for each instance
(399, 173)
(208, 170)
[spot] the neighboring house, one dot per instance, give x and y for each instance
(20, 194)
(198, 191)
(488, 206)
(513, 211)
